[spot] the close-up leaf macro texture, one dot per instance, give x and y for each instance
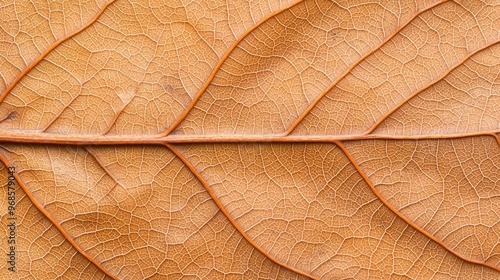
(250, 139)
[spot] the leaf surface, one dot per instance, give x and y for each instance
(252, 139)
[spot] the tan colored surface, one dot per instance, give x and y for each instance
(42, 251)
(252, 139)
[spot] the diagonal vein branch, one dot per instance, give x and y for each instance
(409, 222)
(51, 48)
(5, 161)
(496, 138)
(384, 117)
(220, 63)
(228, 216)
(104, 168)
(348, 70)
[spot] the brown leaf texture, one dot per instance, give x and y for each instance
(251, 139)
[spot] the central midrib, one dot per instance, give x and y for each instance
(89, 139)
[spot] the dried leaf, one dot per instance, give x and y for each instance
(250, 139)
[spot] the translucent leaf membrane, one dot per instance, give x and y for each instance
(41, 251)
(147, 219)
